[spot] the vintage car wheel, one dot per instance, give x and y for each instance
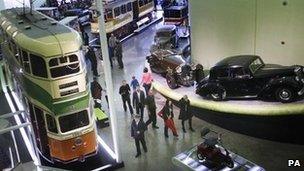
(229, 163)
(200, 156)
(171, 82)
(218, 95)
(285, 94)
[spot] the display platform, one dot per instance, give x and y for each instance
(188, 160)
(267, 120)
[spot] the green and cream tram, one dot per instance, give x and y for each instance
(44, 59)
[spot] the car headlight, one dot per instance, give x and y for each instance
(297, 70)
(193, 66)
(178, 69)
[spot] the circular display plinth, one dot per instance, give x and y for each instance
(269, 120)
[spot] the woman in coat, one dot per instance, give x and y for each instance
(167, 114)
(185, 113)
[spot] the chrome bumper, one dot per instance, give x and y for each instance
(301, 92)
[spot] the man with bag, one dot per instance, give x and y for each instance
(151, 107)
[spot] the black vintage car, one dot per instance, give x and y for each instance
(247, 76)
(172, 66)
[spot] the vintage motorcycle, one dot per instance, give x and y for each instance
(211, 152)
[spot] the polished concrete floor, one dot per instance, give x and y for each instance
(268, 154)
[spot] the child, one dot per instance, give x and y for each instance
(134, 83)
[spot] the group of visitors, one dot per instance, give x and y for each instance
(138, 126)
(138, 96)
(142, 100)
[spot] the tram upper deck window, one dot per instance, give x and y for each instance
(172, 13)
(26, 62)
(74, 121)
(109, 14)
(129, 6)
(51, 123)
(14, 50)
(38, 66)
(116, 11)
(123, 9)
(141, 3)
(64, 66)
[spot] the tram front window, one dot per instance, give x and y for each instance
(51, 123)
(74, 121)
(64, 66)
(38, 66)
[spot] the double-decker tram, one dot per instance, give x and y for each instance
(44, 61)
(176, 15)
(123, 17)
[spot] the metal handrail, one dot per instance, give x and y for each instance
(11, 114)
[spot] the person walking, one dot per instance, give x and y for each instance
(118, 54)
(146, 80)
(139, 101)
(92, 57)
(96, 91)
(199, 73)
(85, 39)
(124, 91)
(134, 83)
(151, 107)
(167, 114)
(112, 43)
(185, 113)
(138, 129)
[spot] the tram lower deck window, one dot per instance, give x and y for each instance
(74, 121)
(38, 66)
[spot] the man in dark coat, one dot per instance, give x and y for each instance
(199, 73)
(118, 54)
(96, 91)
(138, 129)
(92, 57)
(139, 101)
(185, 113)
(124, 91)
(151, 107)
(85, 39)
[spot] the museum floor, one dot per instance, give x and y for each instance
(268, 154)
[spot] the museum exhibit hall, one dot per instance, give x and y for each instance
(152, 85)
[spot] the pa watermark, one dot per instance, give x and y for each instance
(294, 163)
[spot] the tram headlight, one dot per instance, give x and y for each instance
(78, 141)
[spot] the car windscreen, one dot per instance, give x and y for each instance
(74, 121)
(163, 34)
(256, 65)
(176, 59)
